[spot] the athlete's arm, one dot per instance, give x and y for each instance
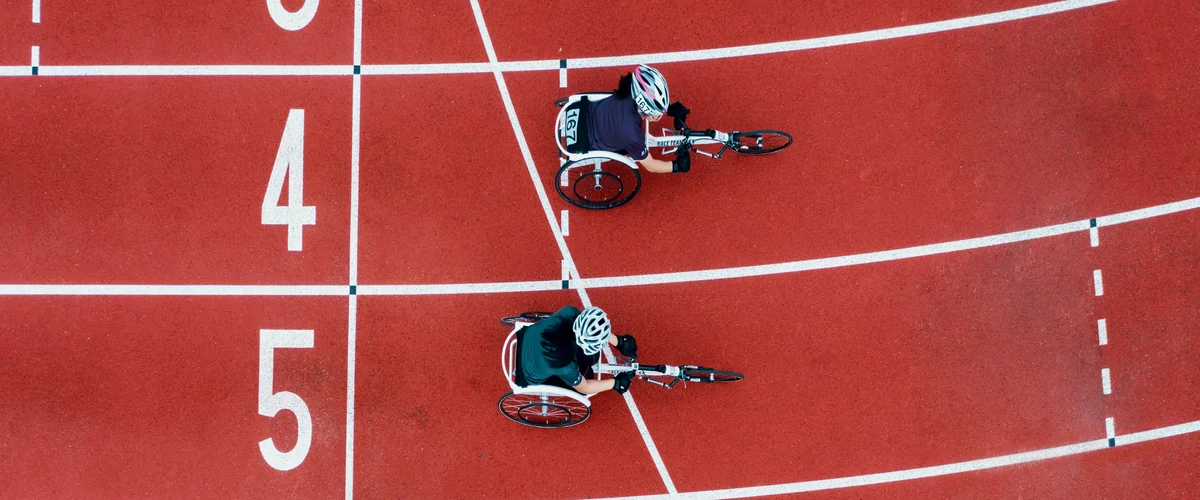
(589, 386)
(656, 166)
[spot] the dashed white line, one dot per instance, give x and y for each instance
(1110, 428)
(1105, 381)
(1098, 282)
(558, 237)
(1102, 327)
(937, 470)
(562, 74)
(1094, 233)
(37, 11)
(566, 227)
(34, 56)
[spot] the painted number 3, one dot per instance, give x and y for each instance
(289, 163)
(292, 21)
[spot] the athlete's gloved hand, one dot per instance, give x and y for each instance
(679, 112)
(627, 346)
(623, 380)
(683, 160)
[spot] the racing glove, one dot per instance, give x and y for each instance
(683, 160)
(679, 112)
(627, 346)
(623, 380)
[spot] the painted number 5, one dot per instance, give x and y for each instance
(292, 21)
(271, 402)
(289, 163)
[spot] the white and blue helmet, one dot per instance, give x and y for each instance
(649, 90)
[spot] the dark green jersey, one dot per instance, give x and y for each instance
(548, 349)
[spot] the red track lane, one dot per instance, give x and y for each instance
(1157, 469)
(543, 29)
(446, 197)
(1151, 278)
(871, 368)
(17, 32)
(428, 379)
(161, 181)
(113, 397)
(420, 32)
(907, 142)
(180, 32)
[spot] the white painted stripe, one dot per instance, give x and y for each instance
(1146, 213)
(37, 11)
(460, 288)
(566, 227)
(1102, 326)
(1105, 381)
(14, 70)
(833, 41)
(211, 70)
(832, 262)
(566, 273)
(431, 69)
(35, 56)
(1095, 235)
(549, 214)
(934, 471)
(1160, 433)
(351, 354)
(1098, 281)
(200, 290)
(562, 78)
(352, 330)
(1110, 428)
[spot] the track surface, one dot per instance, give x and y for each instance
(956, 359)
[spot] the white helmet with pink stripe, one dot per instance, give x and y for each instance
(649, 91)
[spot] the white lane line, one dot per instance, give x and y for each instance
(35, 56)
(351, 355)
(593, 62)
(1146, 213)
(461, 288)
(37, 11)
(352, 330)
(1110, 428)
(937, 470)
(14, 70)
(558, 237)
(230, 290)
(562, 74)
(1102, 327)
(211, 70)
(1098, 281)
(1105, 381)
(566, 227)
(1094, 233)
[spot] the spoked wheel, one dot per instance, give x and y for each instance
(761, 142)
(709, 375)
(543, 410)
(597, 184)
(525, 317)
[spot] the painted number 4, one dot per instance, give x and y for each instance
(289, 163)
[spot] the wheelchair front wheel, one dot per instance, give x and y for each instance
(760, 142)
(525, 317)
(597, 184)
(543, 410)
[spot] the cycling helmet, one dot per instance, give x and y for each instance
(591, 330)
(649, 91)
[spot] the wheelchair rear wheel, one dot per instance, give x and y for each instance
(543, 410)
(597, 184)
(525, 317)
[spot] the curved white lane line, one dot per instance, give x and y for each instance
(924, 472)
(615, 281)
(553, 64)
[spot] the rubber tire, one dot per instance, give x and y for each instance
(761, 133)
(620, 200)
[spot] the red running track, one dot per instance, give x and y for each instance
(883, 367)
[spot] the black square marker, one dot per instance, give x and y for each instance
(562, 64)
(566, 284)
(35, 71)
(1093, 222)
(353, 290)
(357, 69)
(1112, 442)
